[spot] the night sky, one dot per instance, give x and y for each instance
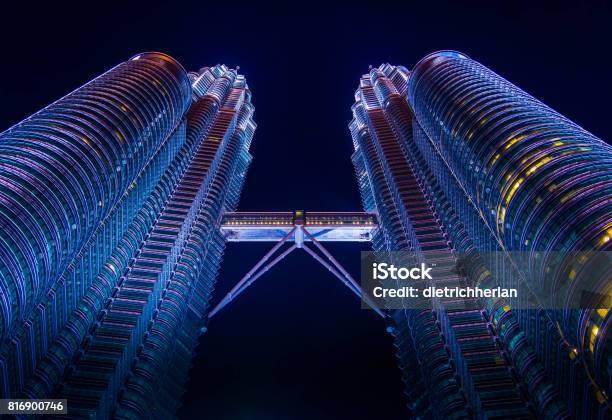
(296, 345)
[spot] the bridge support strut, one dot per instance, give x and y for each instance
(296, 234)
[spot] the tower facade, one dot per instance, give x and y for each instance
(455, 159)
(110, 200)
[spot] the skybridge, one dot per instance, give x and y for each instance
(297, 230)
(274, 226)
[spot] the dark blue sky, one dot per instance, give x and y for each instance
(296, 345)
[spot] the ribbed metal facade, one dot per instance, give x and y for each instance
(110, 200)
(458, 160)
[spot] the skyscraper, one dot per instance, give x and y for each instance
(109, 203)
(455, 159)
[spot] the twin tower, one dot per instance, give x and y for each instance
(111, 202)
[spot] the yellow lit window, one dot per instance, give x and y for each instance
(593, 337)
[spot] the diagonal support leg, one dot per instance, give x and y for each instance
(331, 270)
(264, 269)
(244, 284)
(331, 258)
(352, 285)
(249, 278)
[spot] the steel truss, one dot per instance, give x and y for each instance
(297, 234)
